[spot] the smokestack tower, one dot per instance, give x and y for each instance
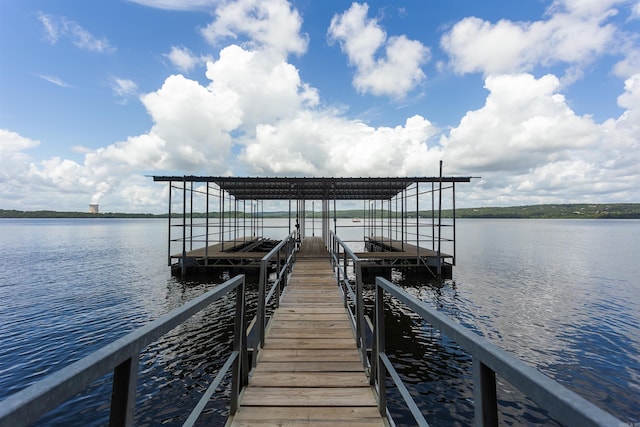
(93, 208)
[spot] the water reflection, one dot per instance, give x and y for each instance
(562, 295)
(436, 370)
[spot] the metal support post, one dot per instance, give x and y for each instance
(381, 370)
(484, 395)
(123, 393)
(191, 216)
(169, 230)
(206, 228)
(439, 269)
(183, 267)
(261, 315)
(240, 368)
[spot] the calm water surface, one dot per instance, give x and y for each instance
(562, 295)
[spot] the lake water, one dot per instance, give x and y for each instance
(562, 295)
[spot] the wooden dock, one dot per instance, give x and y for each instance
(383, 253)
(243, 252)
(309, 371)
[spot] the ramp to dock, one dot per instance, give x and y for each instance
(309, 371)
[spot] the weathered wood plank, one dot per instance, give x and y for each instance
(290, 365)
(309, 379)
(299, 323)
(295, 416)
(301, 343)
(324, 334)
(307, 355)
(302, 396)
(296, 423)
(307, 414)
(311, 302)
(304, 317)
(290, 308)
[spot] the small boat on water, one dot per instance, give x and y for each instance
(355, 220)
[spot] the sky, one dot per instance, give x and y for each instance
(539, 99)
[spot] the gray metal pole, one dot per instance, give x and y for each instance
(191, 218)
(440, 221)
(183, 270)
(169, 228)
(222, 220)
(417, 224)
(206, 230)
(453, 194)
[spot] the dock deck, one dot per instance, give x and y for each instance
(309, 371)
(244, 252)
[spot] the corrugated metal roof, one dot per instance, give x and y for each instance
(283, 188)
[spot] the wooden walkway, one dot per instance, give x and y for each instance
(309, 371)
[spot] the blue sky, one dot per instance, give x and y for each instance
(539, 98)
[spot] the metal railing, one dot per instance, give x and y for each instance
(341, 257)
(277, 255)
(488, 360)
(122, 357)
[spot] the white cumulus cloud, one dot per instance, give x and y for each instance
(524, 123)
(255, 114)
(325, 144)
(268, 24)
(529, 146)
(183, 59)
(575, 34)
(393, 73)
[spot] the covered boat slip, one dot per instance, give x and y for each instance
(226, 222)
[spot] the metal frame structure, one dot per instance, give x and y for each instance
(392, 209)
(488, 361)
(122, 357)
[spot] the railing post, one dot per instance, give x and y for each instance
(279, 284)
(261, 307)
(484, 395)
(123, 392)
(336, 269)
(381, 371)
(361, 342)
(183, 266)
(240, 368)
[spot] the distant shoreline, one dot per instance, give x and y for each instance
(551, 211)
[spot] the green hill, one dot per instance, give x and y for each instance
(574, 211)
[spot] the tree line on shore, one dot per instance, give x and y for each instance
(555, 211)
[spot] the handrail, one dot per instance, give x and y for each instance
(122, 357)
(358, 322)
(488, 360)
(282, 272)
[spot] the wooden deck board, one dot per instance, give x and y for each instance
(308, 396)
(400, 250)
(311, 416)
(309, 366)
(309, 370)
(309, 379)
(306, 355)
